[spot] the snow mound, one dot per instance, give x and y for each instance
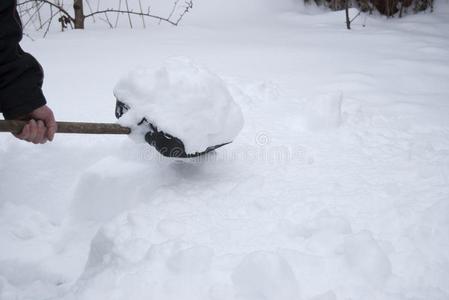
(364, 255)
(183, 100)
(103, 191)
(265, 275)
(323, 111)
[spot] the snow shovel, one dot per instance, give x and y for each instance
(165, 144)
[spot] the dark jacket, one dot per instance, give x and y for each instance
(21, 76)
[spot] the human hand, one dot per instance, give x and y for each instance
(41, 128)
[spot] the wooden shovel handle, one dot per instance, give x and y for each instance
(16, 127)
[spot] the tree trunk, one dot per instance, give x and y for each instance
(79, 14)
(348, 22)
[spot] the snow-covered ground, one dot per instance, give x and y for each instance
(336, 188)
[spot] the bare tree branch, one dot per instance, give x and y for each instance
(28, 36)
(118, 15)
(58, 7)
(107, 20)
(50, 19)
(173, 9)
(31, 12)
(36, 9)
(143, 18)
(129, 16)
(187, 8)
(90, 8)
(111, 10)
(355, 17)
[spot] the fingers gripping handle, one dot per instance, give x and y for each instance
(16, 127)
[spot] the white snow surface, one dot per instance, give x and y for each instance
(336, 188)
(184, 100)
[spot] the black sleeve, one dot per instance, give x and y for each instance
(21, 76)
